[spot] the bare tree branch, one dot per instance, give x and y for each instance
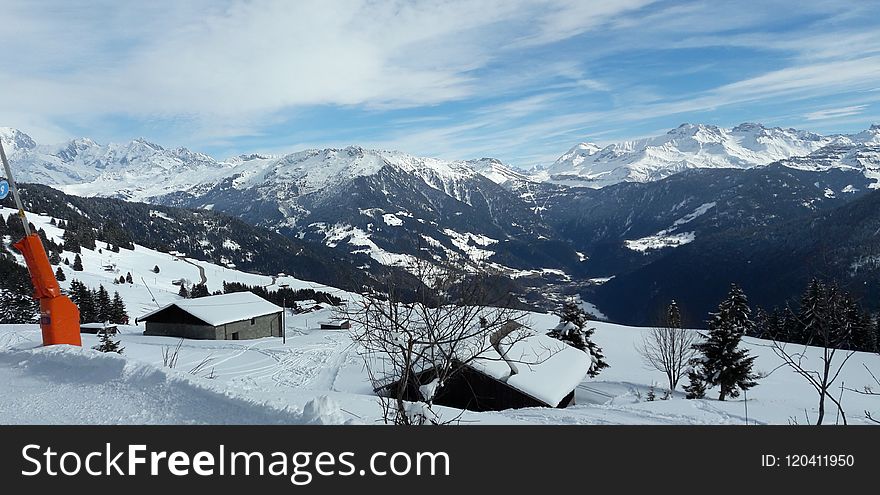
(413, 349)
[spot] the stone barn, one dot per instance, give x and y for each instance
(235, 316)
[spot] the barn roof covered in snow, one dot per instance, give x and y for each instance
(533, 363)
(222, 309)
(538, 365)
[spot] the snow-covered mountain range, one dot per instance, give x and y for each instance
(701, 146)
(596, 213)
(141, 170)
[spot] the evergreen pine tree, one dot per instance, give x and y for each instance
(66, 261)
(830, 317)
(83, 297)
(811, 313)
(54, 258)
(16, 307)
(102, 304)
(760, 328)
(59, 275)
(773, 325)
(861, 336)
(789, 329)
(573, 330)
(107, 344)
(673, 315)
(77, 264)
(876, 336)
(696, 389)
(183, 292)
(199, 290)
(71, 241)
(156, 269)
(128, 278)
(118, 314)
(722, 362)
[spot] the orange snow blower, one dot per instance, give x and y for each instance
(59, 316)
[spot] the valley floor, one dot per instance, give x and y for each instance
(318, 377)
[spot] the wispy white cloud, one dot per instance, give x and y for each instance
(520, 79)
(833, 113)
(246, 60)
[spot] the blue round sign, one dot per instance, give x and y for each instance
(4, 189)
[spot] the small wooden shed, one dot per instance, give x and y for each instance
(335, 325)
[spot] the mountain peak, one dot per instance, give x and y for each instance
(246, 157)
(143, 141)
(14, 140)
(749, 127)
(692, 129)
(870, 136)
(589, 148)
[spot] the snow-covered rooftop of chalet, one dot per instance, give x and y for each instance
(223, 309)
(538, 365)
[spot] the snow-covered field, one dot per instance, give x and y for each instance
(267, 381)
(317, 376)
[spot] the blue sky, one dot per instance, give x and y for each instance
(520, 80)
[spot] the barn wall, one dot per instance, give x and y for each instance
(262, 326)
(472, 390)
(476, 391)
(184, 330)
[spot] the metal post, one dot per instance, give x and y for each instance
(24, 222)
(283, 314)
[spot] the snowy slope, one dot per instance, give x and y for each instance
(151, 290)
(269, 382)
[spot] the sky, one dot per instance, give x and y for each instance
(518, 80)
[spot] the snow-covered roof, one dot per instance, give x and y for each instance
(533, 363)
(99, 326)
(538, 365)
(223, 309)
